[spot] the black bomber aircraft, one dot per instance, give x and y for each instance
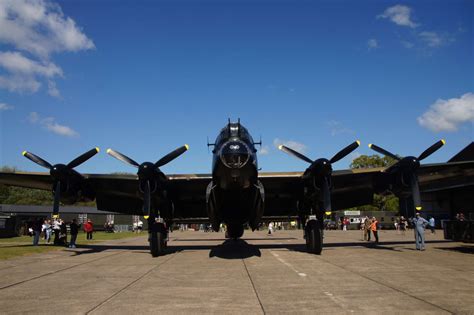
(235, 193)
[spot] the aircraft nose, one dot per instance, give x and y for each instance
(235, 154)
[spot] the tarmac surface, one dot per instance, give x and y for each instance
(260, 274)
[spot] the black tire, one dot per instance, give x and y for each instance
(157, 244)
(234, 231)
(314, 239)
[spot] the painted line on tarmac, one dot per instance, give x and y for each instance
(334, 298)
(388, 286)
(56, 271)
(301, 274)
(254, 288)
(130, 284)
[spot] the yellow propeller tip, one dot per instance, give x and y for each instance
(186, 146)
(418, 208)
(280, 147)
(97, 149)
(146, 217)
(358, 142)
(23, 153)
(443, 141)
(370, 145)
(108, 151)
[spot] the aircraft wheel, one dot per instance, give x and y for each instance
(314, 237)
(157, 243)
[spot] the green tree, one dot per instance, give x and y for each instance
(372, 161)
(381, 202)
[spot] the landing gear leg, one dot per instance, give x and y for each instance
(157, 236)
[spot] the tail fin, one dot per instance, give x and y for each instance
(466, 154)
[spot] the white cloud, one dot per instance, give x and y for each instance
(447, 115)
(433, 39)
(19, 83)
(372, 44)
(407, 44)
(33, 117)
(400, 15)
(337, 128)
(49, 123)
(264, 150)
(15, 62)
(37, 28)
(53, 90)
(297, 146)
(5, 106)
(40, 28)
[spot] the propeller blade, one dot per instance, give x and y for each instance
(146, 199)
(435, 147)
(57, 196)
(344, 152)
(415, 191)
(119, 156)
(171, 156)
(326, 195)
(82, 158)
(294, 153)
(383, 151)
(37, 159)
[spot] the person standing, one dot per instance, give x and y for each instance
(47, 230)
(403, 225)
(432, 225)
(62, 233)
(367, 223)
(74, 230)
(56, 229)
(373, 228)
(36, 231)
(270, 228)
(89, 229)
(419, 224)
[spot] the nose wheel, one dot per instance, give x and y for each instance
(314, 237)
(158, 235)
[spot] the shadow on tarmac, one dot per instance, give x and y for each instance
(235, 249)
(240, 249)
(459, 249)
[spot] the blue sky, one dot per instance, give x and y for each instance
(144, 77)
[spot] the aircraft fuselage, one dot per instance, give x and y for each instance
(235, 197)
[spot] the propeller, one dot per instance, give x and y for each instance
(148, 171)
(321, 169)
(60, 172)
(409, 166)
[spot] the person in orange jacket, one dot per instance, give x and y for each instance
(373, 228)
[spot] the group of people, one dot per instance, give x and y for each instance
(57, 228)
(369, 226)
(137, 226)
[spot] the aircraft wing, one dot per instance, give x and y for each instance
(119, 193)
(355, 187)
(350, 188)
(443, 176)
